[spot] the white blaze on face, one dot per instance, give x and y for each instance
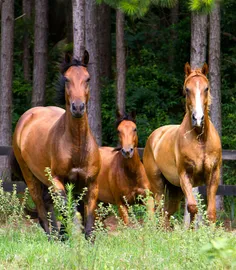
(198, 112)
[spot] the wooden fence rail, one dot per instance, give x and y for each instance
(224, 190)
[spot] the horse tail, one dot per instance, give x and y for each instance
(15, 168)
(18, 176)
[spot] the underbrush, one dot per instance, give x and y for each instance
(145, 244)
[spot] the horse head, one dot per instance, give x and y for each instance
(127, 133)
(196, 89)
(75, 84)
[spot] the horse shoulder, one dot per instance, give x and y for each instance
(213, 155)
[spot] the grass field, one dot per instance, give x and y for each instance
(146, 245)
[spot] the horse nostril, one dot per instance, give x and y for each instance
(81, 107)
(131, 150)
(202, 118)
(193, 117)
(73, 106)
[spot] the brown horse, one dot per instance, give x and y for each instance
(180, 157)
(62, 140)
(122, 173)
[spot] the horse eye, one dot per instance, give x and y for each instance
(118, 132)
(135, 129)
(187, 90)
(206, 89)
(66, 80)
(87, 81)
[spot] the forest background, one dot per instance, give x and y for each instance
(157, 44)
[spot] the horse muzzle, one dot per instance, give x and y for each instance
(127, 153)
(77, 109)
(197, 120)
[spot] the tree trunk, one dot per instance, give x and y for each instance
(27, 10)
(69, 21)
(197, 59)
(104, 41)
(120, 62)
(214, 75)
(174, 18)
(7, 29)
(40, 52)
(94, 106)
(198, 39)
(78, 9)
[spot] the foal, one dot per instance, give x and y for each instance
(122, 173)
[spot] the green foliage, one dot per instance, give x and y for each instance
(137, 8)
(223, 250)
(11, 207)
(204, 6)
(66, 209)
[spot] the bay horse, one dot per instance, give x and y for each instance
(62, 140)
(180, 157)
(122, 176)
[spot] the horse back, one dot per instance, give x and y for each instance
(31, 135)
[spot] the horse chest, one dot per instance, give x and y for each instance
(129, 186)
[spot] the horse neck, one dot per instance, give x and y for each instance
(131, 165)
(200, 133)
(77, 129)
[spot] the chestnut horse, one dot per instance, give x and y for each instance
(62, 140)
(122, 173)
(180, 157)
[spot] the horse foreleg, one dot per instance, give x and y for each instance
(90, 206)
(58, 186)
(35, 190)
(49, 208)
(186, 186)
(212, 186)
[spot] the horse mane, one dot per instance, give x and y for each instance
(60, 85)
(126, 116)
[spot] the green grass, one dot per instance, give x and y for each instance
(24, 245)
(143, 247)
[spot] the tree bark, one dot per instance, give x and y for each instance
(94, 105)
(198, 39)
(40, 53)
(215, 79)
(7, 34)
(78, 9)
(27, 10)
(197, 59)
(104, 41)
(120, 62)
(69, 21)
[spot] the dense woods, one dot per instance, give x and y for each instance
(136, 61)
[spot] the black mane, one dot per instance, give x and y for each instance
(126, 116)
(60, 86)
(66, 65)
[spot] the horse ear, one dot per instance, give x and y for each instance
(187, 69)
(133, 115)
(68, 58)
(118, 114)
(205, 69)
(85, 59)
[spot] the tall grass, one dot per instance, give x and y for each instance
(144, 245)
